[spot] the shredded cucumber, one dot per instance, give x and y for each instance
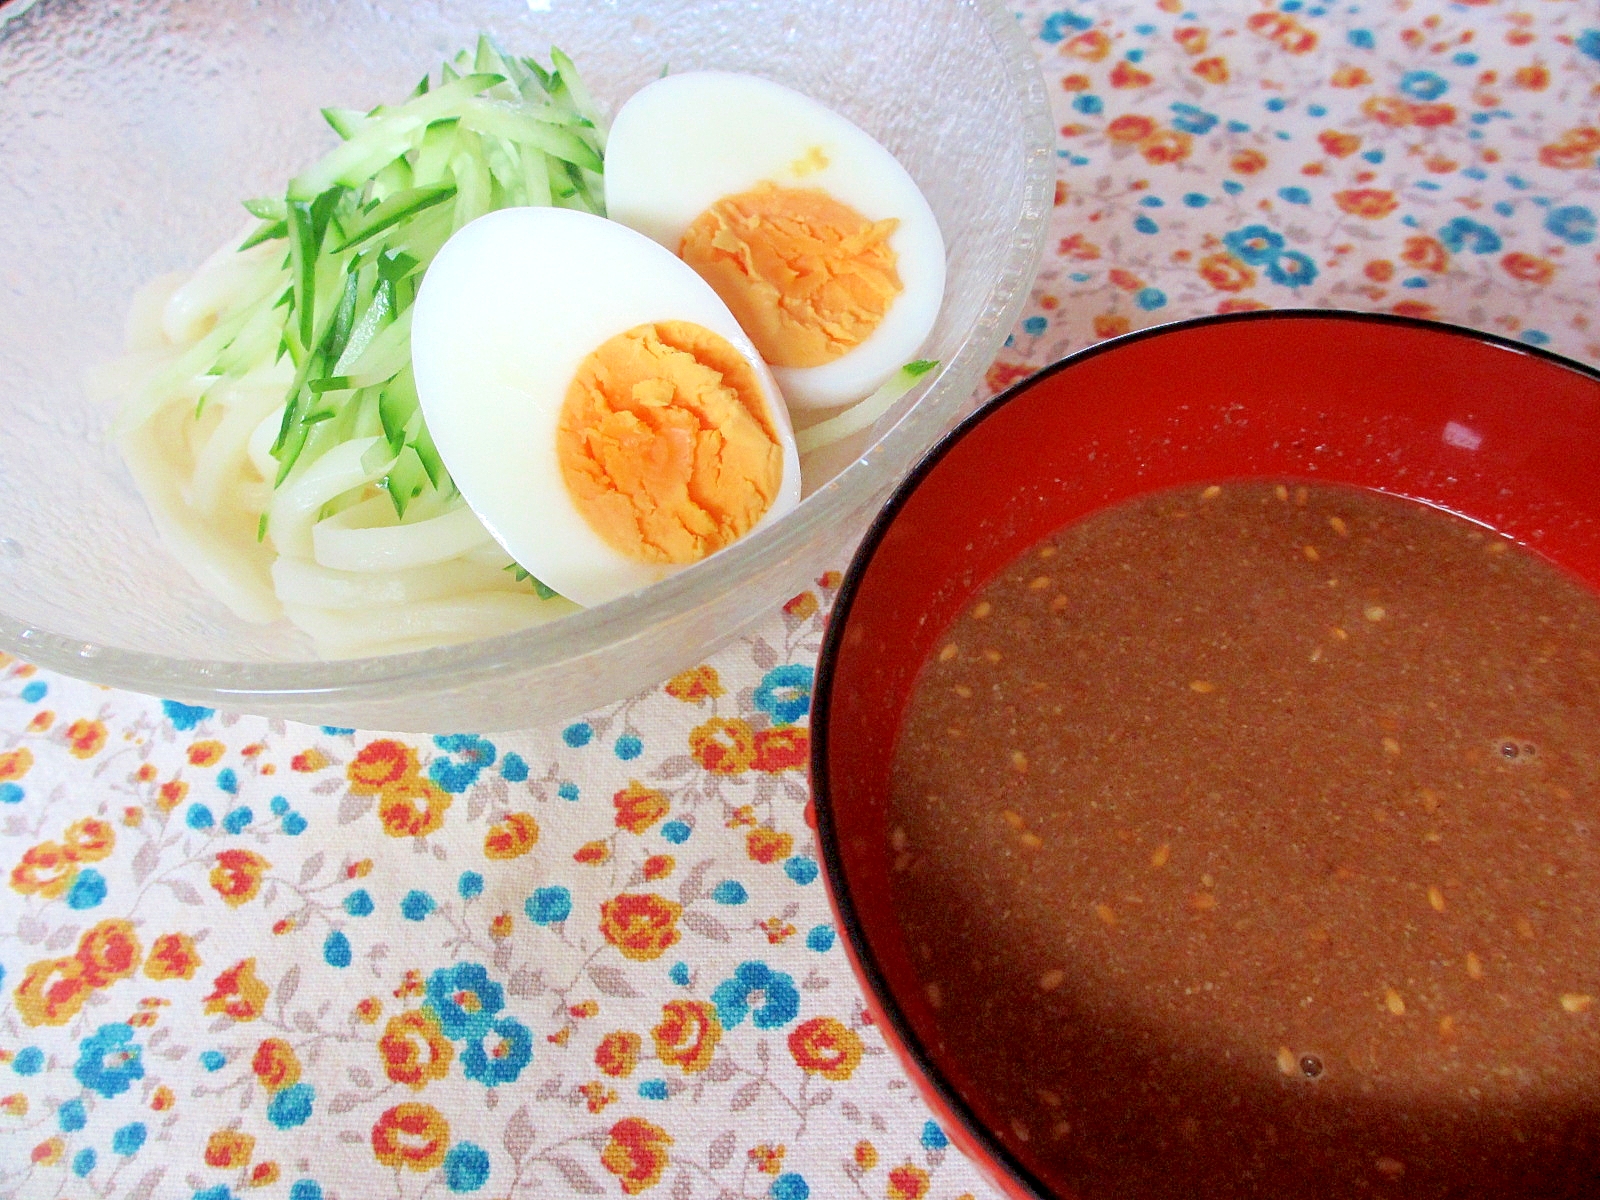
(864, 412)
(358, 229)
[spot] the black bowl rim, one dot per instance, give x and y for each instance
(866, 961)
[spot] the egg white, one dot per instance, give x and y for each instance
(683, 142)
(508, 310)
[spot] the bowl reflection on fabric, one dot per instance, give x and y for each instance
(1472, 424)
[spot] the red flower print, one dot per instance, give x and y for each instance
(1370, 203)
(412, 1136)
(768, 845)
(52, 991)
(237, 876)
(414, 1049)
(275, 1064)
(109, 951)
(827, 1047)
(512, 837)
(695, 684)
(723, 746)
(642, 926)
(618, 1053)
(1425, 253)
(237, 993)
(782, 748)
(688, 1034)
(1130, 128)
(172, 956)
(639, 807)
(1226, 273)
(1574, 150)
(636, 1154)
(1528, 268)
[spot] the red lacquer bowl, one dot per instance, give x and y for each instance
(1487, 428)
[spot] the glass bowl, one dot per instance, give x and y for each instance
(1491, 429)
(132, 131)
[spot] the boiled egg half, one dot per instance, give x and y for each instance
(600, 409)
(819, 241)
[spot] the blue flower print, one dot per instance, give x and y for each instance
(228, 781)
(933, 1138)
(237, 821)
(1463, 233)
(109, 1060)
(784, 693)
(801, 869)
(1588, 43)
(10, 793)
(820, 939)
(654, 1089)
(72, 1116)
(127, 1140)
(1571, 223)
(1191, 119)
(29, 1061)
(359, 903)
(336, 949)
(464, 999)
(469, 755)
(510, 1050)
(185, 717)
(1291, 269)
(1058, 26)
(415, 905)
(466, 1167)
(1423, 85)
(88, 889)
(789, 1186)
(730, 891)
(1255, 244)
(83, 1161)
(35, 691)
(549, 905)
(291, 1107)
(470, 885)
(780, 1001)
(306, 1189)
(513, 769)
(198, 816)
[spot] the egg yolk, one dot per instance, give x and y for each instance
(807, 277)
(666, 444)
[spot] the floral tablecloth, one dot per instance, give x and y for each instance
(245, 958)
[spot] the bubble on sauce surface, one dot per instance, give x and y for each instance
(1516, 750)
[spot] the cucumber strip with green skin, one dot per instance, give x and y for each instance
(385, 138)
(472, 179)
(396, 177)
(303, 264)
(524, 128)
(266, 232)
(433, 156)
(405, 481)
(582, 101)
(346, 122)
(432, 463)
(395, 209)
(378, 314)
(268, 208)
(397, 405)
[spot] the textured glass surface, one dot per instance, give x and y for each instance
(131, 131)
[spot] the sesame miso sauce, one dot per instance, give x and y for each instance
(1247, 843)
